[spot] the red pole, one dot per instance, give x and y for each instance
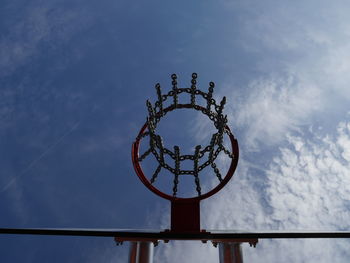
(141, 252)
(230, 253)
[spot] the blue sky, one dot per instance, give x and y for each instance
(74, 78)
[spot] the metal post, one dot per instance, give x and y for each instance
(185, 216)
(230, 253)
(141, 252)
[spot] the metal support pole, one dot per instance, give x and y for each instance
(141, 252)
(185, 216)
(230, 253)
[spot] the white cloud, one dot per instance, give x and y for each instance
(312, 181)
(308, 190)
(273, 107)
(301, 55)
(305, 187)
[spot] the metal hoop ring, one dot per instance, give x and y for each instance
(147, 183)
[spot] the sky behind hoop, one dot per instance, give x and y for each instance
(74, 78)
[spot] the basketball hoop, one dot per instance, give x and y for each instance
(189, 206)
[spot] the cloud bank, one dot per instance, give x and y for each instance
(294, 174)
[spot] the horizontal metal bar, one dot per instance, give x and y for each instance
(59, 232)
(223, 236)
(126, 233)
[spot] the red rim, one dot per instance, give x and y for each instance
(147, 183)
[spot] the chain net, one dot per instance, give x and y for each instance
(156, 146)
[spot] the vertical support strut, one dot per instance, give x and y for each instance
(230, 252)
(185, 216)
(141, 252)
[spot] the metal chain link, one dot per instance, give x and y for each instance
(177, 169)
(154, 152)
(170, 153)
(212, 143)
(155, 174)
(174, 82)
(217, 172)
(189, 172)
(160, 99)
(186, 157)
(193, 89)
(146, 153)
(151, 116)
(227, 152)
(162, 150)
(195, 170)
(159, 143)
(216, 153)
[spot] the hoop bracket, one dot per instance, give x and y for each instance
(185, 216)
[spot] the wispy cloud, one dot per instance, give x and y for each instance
(272, 107)
(302, 63)
(305, 187)
(34, 29)
(303, 77)
(35, 26)
(308, 190)
(36, 160)
(308, 182)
